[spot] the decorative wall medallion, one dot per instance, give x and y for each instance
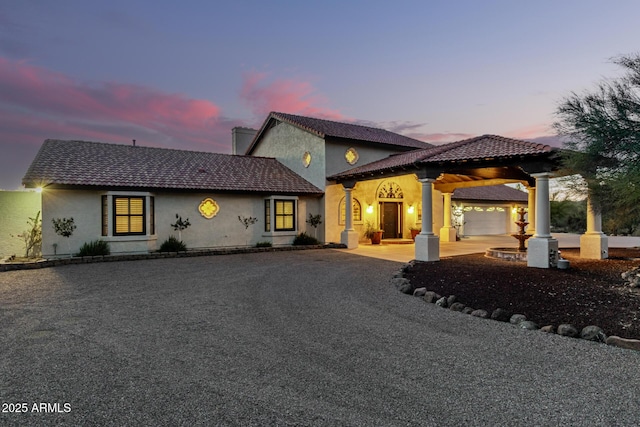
(306, 159)
(208, 208)
(351, 155)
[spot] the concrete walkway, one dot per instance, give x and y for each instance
(475, 244)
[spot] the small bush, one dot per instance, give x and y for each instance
(172, 244)
(305, 239)
(94, 248)
(263, 245)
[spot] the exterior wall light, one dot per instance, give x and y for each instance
(370, 209)
(411, 209)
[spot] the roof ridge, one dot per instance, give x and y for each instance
(341, 123)
(145, 147)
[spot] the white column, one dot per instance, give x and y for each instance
(447, 232)
(531, 210)
(594, 244)
(348, 236)
(543, 249)
(427, 246)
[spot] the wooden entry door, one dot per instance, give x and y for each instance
(391, 219)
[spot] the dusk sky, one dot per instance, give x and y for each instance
(182, 74)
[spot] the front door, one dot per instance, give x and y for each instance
(390, 220)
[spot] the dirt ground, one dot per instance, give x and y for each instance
(590, 292)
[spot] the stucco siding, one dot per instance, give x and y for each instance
(85, 207)
(336, 161)
(288, 144)
(223, 230)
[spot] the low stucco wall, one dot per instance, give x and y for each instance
(16, 207)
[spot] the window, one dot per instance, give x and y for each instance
(356, 211)
(129, 216)
(267, 215)
(285, 215)
(105, 216)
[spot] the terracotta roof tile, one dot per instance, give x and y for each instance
(478, 148)
(81, 163)
(492, 193)
(332, 129)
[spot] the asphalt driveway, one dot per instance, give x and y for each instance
(313, 337)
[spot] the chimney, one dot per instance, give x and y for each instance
(134, 142)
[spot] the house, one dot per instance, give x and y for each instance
(293, 166)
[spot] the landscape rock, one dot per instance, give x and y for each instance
(548, 329)
(480, 313)
(623, 343)
(419, 292)
(567, 330)
(500, 315)
(451, 299)
(398, 282)
(442, 302)
(632, 277)
(529, 325)
(431, 297)
(593, 333)
(406, 288)
(517, 318)
(467, 310)
(456, 306)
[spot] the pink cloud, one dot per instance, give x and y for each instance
(287, 96)
(531, 132)
(57, 106)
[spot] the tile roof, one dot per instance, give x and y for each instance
(81, 163)
(332, 129)
(490, 193)
(473, 149)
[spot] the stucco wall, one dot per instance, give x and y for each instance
(222, 230)
(84, 207)
(336, 161)
(288, 144)
(16, 207)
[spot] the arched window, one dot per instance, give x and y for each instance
(356, 212)
(390, 190)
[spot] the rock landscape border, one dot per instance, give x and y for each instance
(589, 333)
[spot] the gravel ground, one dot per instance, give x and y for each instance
(288, 338)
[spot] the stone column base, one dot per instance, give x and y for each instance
(349, 238)
(542, 253)
(427, 247)
(448, 234)
(594, 246)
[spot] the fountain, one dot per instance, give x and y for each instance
(519, 254)
(521, 236)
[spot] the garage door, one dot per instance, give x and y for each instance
(485, 222)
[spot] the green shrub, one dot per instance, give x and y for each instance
(305, 239)
(94, 248)
(263, 245)
(172, 244)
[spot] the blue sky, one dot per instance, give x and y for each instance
(182, 74)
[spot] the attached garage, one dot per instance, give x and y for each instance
(480, 220)
(486, 210)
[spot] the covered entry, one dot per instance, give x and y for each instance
(474, 162)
